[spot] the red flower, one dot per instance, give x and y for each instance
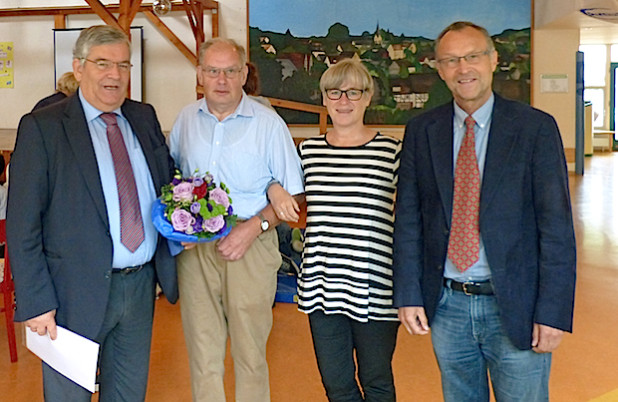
(201, 191)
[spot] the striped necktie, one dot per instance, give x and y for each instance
(131, 225)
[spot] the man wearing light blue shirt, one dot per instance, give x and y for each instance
(228, 287)
(84, 252)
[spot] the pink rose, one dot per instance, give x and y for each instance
(213, 225)
(219, 196)
(182, 221)
(183, 192)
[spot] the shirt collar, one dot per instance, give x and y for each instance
(92, 112)
(482, 116)
(244, 108)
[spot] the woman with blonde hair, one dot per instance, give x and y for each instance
(345, 285)
(66, 86)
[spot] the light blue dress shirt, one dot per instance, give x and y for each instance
(480, 270)
(245, 151)
(122, 258)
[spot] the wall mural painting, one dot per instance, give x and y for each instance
(293, 42)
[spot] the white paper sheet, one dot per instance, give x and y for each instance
(70, 354)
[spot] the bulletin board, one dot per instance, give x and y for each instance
(6, 65)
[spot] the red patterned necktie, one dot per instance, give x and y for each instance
(463, 245)
(131, 225)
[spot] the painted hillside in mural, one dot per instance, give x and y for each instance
(291, 59)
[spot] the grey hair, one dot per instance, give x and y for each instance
(95, 36)
(242, 56)
(460, 25)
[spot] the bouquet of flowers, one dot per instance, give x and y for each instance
(194, 209)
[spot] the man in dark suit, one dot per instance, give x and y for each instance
(484, 251)
(84, 252)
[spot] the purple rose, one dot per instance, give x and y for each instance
(195, 208)
(198, 181)
(182, 221)
(208, 178)
(183, 192)
(213, 225)
(219, 196)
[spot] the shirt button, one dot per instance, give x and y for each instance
(214, 163)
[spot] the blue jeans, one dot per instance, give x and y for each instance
(469, 341)
(125, 345)
(335, 339)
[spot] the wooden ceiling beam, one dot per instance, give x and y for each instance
(104, 13)
(71, 10)
(134, 9)
(60, 21)
(156, 21)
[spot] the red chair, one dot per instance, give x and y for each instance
(7, 287)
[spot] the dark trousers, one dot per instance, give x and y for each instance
(125, 345)
(336, 340)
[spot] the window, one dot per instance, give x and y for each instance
(595, 80)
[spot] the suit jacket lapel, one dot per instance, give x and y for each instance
(502, 137)
(78, 137)
(144, 139)
(440, 139)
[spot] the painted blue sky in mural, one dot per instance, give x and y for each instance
(409, 17)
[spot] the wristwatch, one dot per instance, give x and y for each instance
(264, 224)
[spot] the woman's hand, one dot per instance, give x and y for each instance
(284, 205)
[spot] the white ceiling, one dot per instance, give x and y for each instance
(592, 30)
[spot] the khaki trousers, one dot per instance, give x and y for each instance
(221, 298)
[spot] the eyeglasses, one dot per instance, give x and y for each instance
(230, 72)
(106, 65)
(472, 58)
(352, 94)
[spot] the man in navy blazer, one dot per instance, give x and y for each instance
(63, 227)
(510, 308)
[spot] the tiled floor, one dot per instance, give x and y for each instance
(585, 367)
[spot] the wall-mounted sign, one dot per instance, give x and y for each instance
(554, 83)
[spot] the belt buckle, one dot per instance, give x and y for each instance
(464, 287)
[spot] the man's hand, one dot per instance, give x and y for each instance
(43, 324)
(414, 320)
(234, 246)
(545, 339)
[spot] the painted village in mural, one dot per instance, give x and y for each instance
(404, 69)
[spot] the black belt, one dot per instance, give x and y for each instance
(470, 288)
(129, 270)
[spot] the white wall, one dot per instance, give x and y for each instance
(169, 78)
(546, 55)
(555, 42)
(548, 11)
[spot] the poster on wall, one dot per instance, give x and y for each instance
(394, 40)
(6, 65)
